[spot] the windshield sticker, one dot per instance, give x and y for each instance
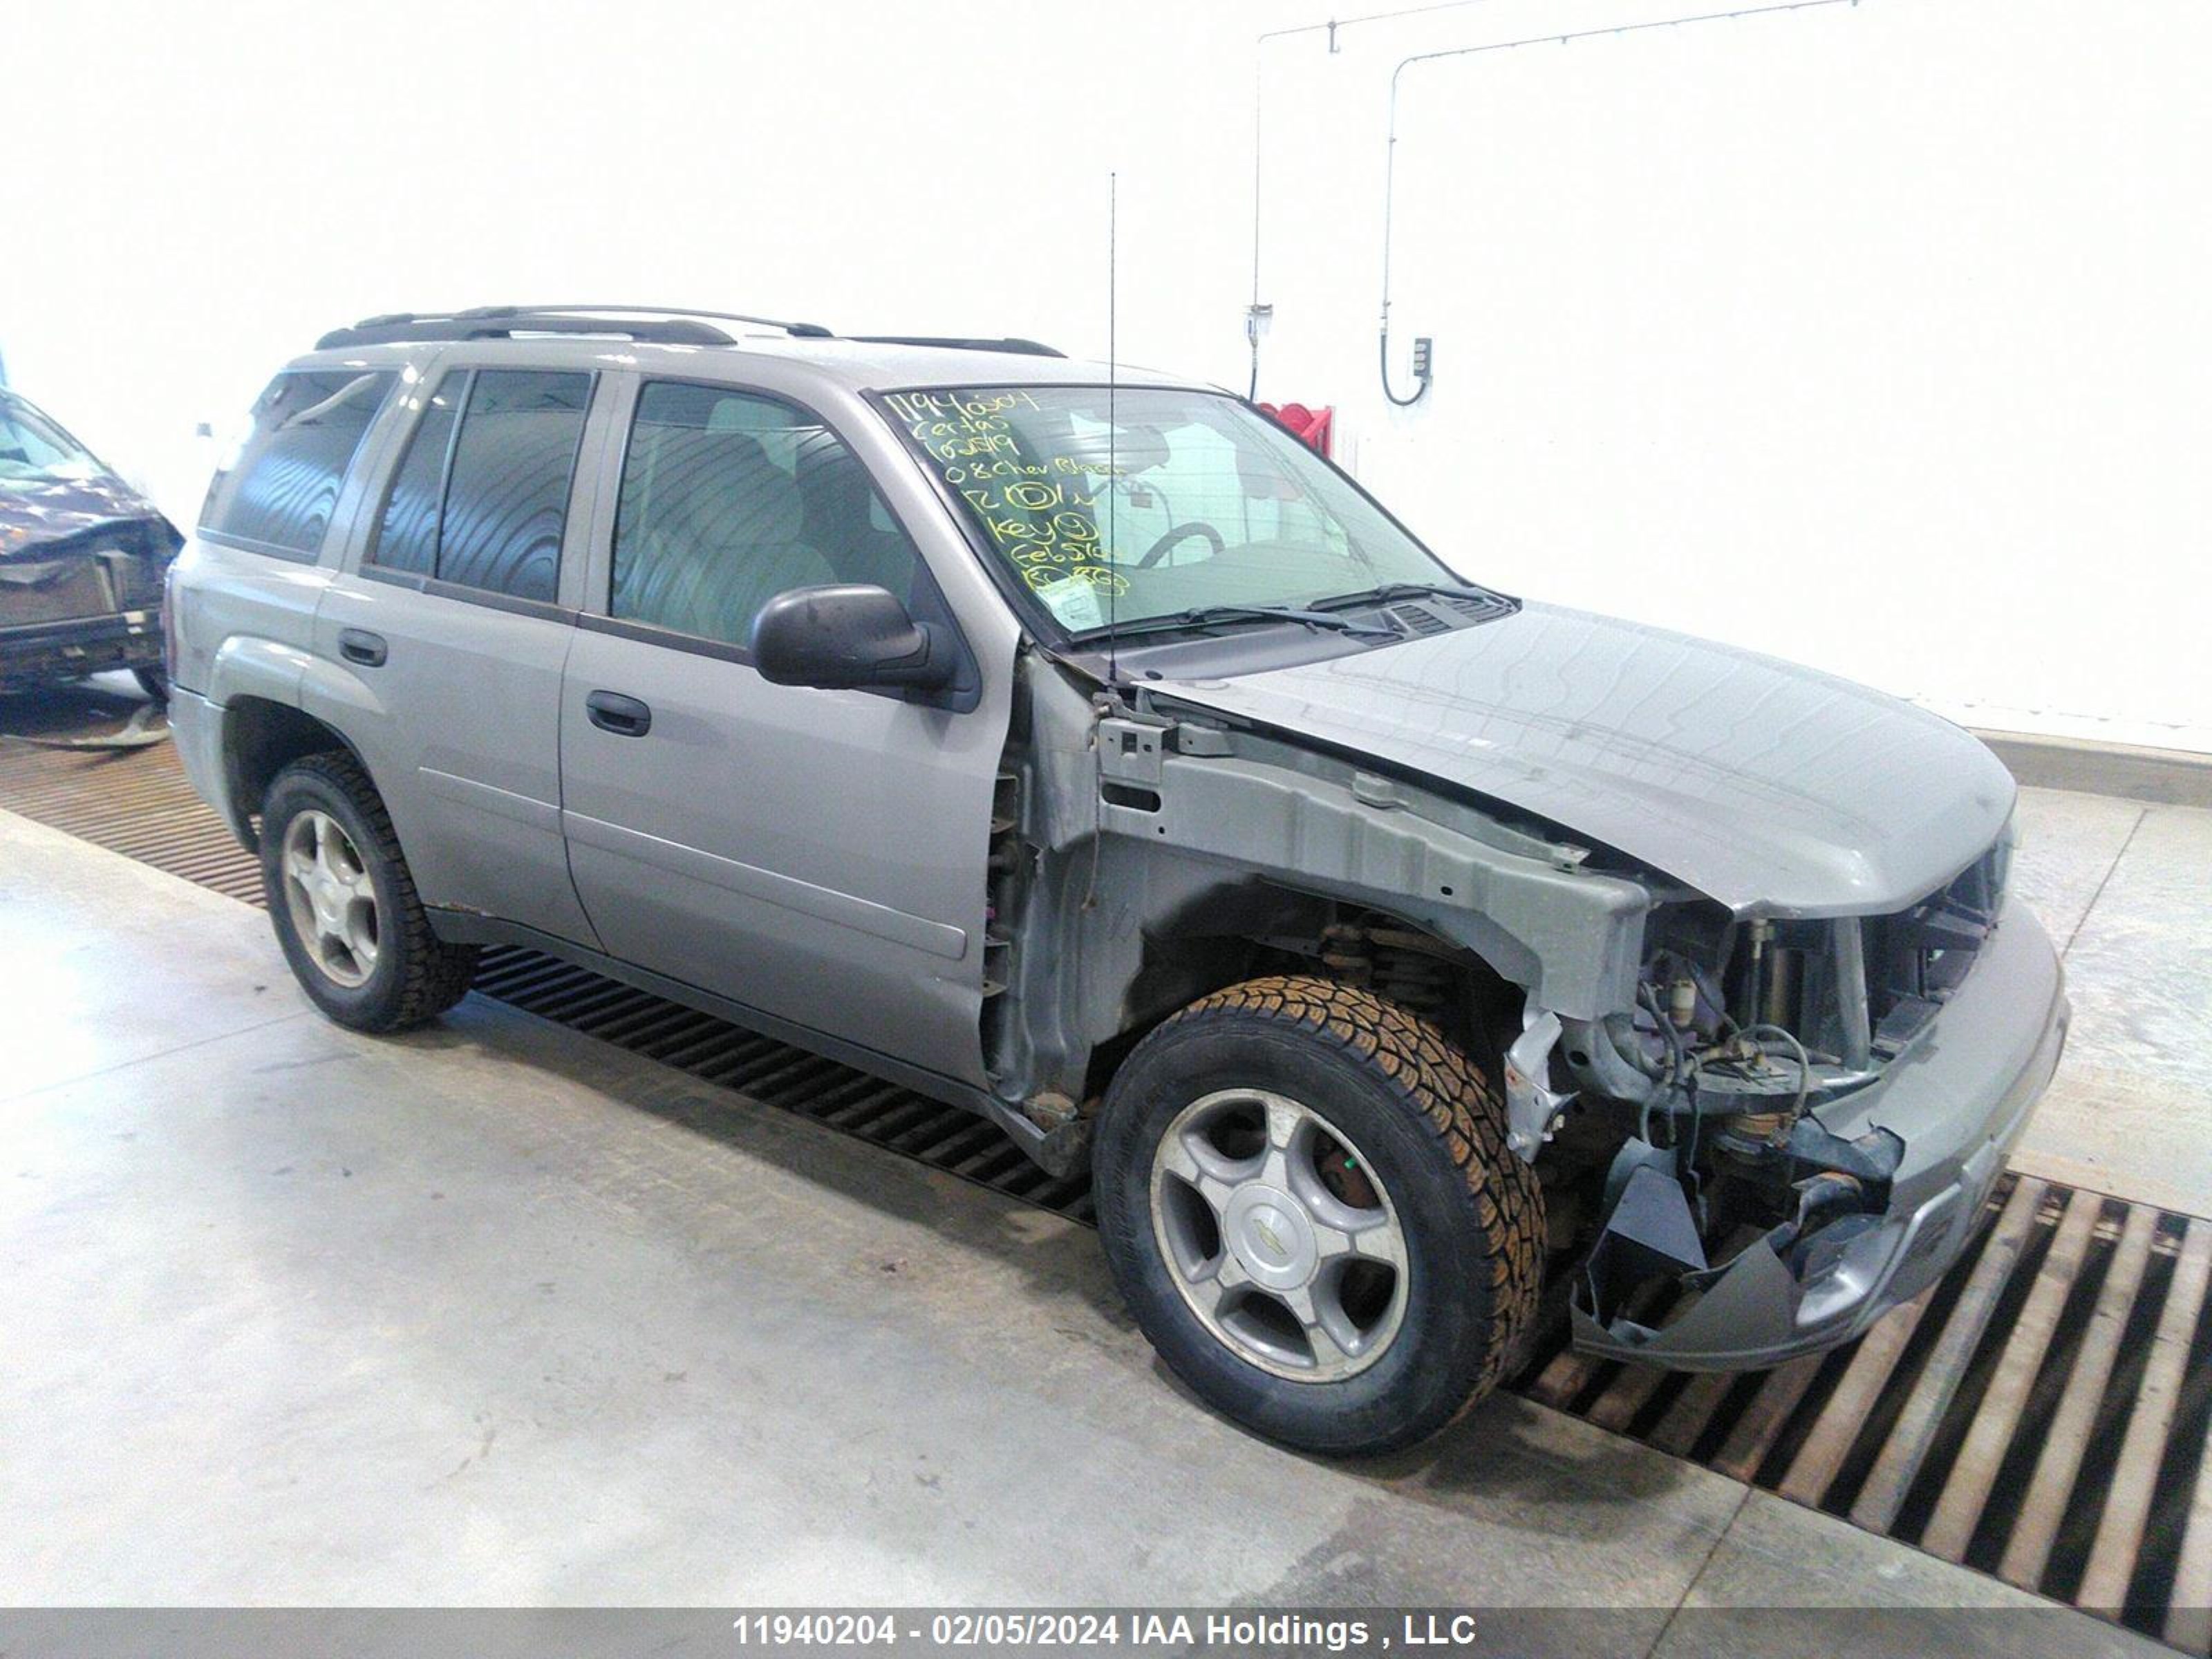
(1039, 508)
(1073, 603)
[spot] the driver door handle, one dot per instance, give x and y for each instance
(626, 717)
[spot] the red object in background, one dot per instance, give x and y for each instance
(1315, 428)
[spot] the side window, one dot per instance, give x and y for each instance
(486, 509)
(407, 536)
(729, 499)
(281, 482)
(508, 493)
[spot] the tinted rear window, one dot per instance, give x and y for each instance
(507, 494)
(486, 509)
(281, 483)
(407, 539)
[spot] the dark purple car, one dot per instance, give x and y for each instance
(83, 556)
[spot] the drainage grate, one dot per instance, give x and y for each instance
(2041, 1414)
(133, 800)
(714, 1051)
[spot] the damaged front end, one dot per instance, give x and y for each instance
(82, 559)
(1808, 1114)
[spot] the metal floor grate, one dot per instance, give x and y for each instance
(2040, 1415)
(133, 800)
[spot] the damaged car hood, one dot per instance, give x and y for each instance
(1776, 789)
(41, 516)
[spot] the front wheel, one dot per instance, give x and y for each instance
(1305, 1193)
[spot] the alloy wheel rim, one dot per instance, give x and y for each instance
(1279, 1235)
(330, 897)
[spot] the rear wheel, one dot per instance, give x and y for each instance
(344, 905)
(1305, 1193)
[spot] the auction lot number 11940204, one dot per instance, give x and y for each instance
(1168, 1630)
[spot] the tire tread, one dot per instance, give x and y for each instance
(1449, 1093)
(434, 974)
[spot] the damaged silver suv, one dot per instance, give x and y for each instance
(1082, 749)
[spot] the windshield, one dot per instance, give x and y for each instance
(1147, 503)
(33, 449)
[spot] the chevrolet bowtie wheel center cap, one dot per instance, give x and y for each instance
(1272, 1238)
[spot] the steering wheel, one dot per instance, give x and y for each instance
(1182, 532)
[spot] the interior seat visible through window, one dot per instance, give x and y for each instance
(724, 542)
(845, 520)
(729, 499)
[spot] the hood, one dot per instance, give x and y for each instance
(36, 514)
(1773, 788)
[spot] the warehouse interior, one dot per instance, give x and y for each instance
(1867, 335)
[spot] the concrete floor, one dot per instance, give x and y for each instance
(2126, 891)
(496, 1314)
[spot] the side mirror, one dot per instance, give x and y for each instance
(846, 634)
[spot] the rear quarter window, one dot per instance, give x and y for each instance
(279, 484)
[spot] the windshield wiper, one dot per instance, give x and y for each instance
(1389, 592)
(1210, 616)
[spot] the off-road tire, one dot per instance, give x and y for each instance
(1433, 1128)
(417, 974)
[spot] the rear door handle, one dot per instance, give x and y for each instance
(626, 717)
(359, 644)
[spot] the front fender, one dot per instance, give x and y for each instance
(1570, 937)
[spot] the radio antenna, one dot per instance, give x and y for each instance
(1113, 426)
(1103, 703)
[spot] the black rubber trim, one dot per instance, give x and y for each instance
(698, 645)
(1011, 344)
(266, 549)
(484, 596)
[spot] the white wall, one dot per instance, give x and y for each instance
(1875, 335)
(215, 189)
(1872, 335)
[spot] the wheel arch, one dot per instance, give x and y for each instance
(1220, 938)
(260, 738)
(1093, 976)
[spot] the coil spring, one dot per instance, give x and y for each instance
(1413, 979)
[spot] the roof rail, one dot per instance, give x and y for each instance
(655, 325)
(804, 331)
(1018, 347)
(661, 324)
